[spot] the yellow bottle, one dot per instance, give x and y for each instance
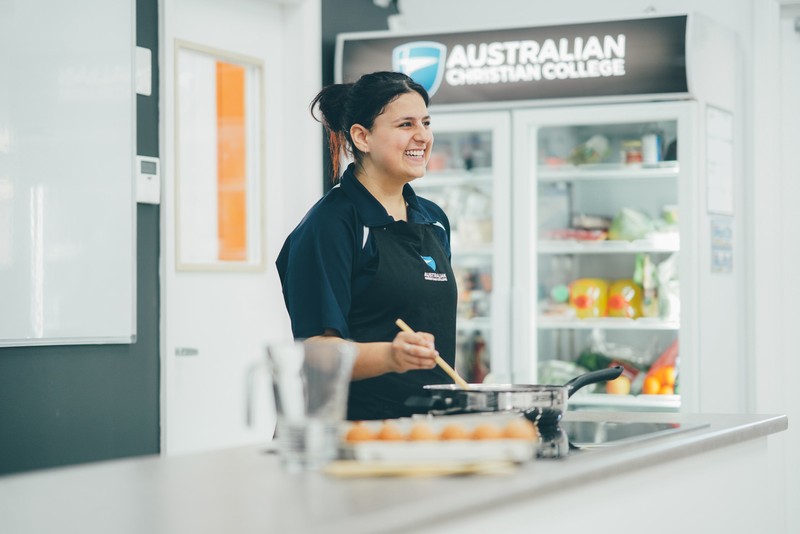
(625, 299)
(588, 296)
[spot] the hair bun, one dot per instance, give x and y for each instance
(332, 102)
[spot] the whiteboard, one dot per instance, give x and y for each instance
(67, 156)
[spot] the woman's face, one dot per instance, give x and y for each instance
(399, 144)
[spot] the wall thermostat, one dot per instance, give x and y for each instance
(148, 180)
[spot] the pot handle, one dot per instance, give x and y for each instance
(424, 404)
(601, 375)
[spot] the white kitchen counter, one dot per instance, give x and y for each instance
(683, 479)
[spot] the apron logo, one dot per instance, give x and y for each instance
(422, 61)
(434, 276)
(430, 262)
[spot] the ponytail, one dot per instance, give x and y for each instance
(331, 103)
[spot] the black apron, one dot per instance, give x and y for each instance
(413, 282)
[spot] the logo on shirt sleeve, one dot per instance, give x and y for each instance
(434, 276)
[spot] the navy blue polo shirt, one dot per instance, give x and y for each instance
(331, 255)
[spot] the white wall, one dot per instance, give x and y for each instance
(302, 147)
(229, 317)
(449, 15)
(776, 195)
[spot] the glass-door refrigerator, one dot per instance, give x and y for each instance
(606, 272)
(468, 175)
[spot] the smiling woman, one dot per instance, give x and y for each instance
(372, 251)
(394, 151)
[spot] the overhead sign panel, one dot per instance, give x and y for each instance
(626, 57)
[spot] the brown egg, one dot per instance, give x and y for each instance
(520, 429)
(359, 432)
(453, 431)
(487, 431)
(421, 432)
(390, 432)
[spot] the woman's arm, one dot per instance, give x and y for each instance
(405, 352)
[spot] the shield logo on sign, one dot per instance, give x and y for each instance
(422, 61)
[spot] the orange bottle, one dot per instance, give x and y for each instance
(588, 296)
(625, 299)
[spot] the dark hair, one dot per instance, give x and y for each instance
(342, 105)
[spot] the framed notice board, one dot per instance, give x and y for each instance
(67, 156)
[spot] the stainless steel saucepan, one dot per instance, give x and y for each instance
(450, 398)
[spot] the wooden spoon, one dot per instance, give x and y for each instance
(439, 361)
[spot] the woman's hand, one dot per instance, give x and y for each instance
(411, 351)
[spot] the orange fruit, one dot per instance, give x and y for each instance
(667, 375)
(666, 390)
(651, 386)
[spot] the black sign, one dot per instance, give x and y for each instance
(627, 57)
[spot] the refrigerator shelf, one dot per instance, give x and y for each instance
(609, 171)
(473, 250)
(450, 178)
(605, 323)
(661, 244)
(475, 323)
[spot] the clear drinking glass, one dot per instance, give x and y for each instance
(310, 381)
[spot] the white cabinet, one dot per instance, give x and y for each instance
(469, 177)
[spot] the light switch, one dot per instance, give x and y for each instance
(144, 72)
(148, 180)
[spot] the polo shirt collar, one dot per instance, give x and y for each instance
(371, 211)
